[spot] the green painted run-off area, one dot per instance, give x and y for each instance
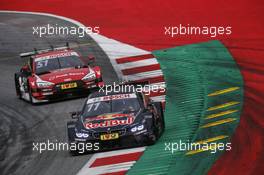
(191, 73)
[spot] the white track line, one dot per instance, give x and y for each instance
(140, 63)
(143, 75)
(158, 98)
(108, 168)
(119, 152)
(86, 168)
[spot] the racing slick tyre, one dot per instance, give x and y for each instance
(158, 124)
(70, 132)
(30, 96)
(17, 84)
(152, 139)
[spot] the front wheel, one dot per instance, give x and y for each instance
(160, 123)
(17, 85)
(152, 139)
(30, 96)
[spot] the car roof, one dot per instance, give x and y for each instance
(54, 52)
(104, 93)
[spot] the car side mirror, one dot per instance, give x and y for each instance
(149, 106)
(25, 69)
(75, 114)
(91, 59)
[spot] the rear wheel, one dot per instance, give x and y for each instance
(17, 84)
(152, 139)
(153, 136)
(160, 123)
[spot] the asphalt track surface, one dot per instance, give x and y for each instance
(21, 123)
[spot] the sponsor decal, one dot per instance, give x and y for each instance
(56, 56)
(108, 117)
(111, 97)
(109, 120)
(67, 79)
(110, 123)
(66, 75)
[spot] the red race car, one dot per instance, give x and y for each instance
(56, 73)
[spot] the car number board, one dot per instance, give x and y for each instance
(110, 136)
(69, 85)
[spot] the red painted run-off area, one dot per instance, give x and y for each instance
(141, 23)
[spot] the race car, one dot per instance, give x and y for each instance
(56, 73)
(116, 120)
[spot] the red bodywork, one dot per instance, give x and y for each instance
(62, 78)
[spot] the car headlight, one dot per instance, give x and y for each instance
(134, 129)
(137, 128)
(90, 76)
(44, 84)
(82, 135)
(140, 127)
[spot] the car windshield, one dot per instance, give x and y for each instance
(100, 106)
(45, 65)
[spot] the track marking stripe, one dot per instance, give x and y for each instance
(221, 114)
(210, 147)
(140, 76)
(156, 79)
(138, 64)
(204, 142)
(140, 69)
(116, 159)
(160, 98)
(119, 152)
(155, 87)
(223, 105)
(223, 91)
(134, 58)
(158, 93)
(219, 122)
(112, 168)
(212, 139)
(116, 173)
(106, 169)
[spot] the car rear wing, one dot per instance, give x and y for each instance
(27, 54)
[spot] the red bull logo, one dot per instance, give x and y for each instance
(108, 121)
(108, 117)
